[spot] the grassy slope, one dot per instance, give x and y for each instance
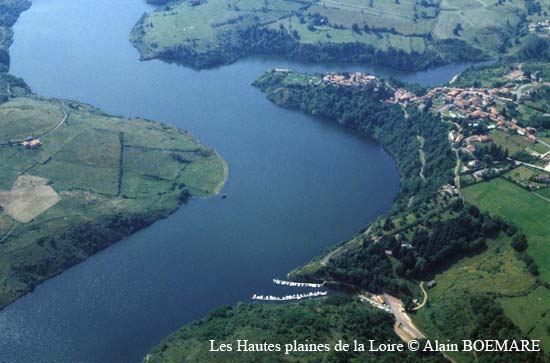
(530, 213)
(495, 271)
(527, 211)
(114, 176)
(212, 28)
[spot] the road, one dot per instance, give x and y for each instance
(531, 165)
(425, 300)
(63, 120)
(422, 156)
(457, 170)
(61, 123)
(340, 250)
(404, 326)
(519, 91)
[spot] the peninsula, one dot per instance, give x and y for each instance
(74, 180)
(407, 35)
(459, 256)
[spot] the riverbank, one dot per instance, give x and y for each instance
(206, 34)
(405, 36)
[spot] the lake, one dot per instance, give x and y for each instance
(296, 186)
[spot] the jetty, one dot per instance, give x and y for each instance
(297, 284)
(289, 297)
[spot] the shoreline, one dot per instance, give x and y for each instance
(357, 52)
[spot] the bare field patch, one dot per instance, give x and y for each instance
(29, 197)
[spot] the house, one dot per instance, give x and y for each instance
(430, 284)
(484, 138)
(473, 138)
(454, 93)
(475, 164)
(543, 179)
(31, 143)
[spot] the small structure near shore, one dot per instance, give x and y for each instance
(31, 143)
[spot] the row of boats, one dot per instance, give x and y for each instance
(297, 284)
(289, 297)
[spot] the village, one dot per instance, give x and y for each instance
(475, 113)
(478, 114)
(349, 80)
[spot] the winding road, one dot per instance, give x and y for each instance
(425, 300)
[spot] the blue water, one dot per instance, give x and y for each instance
(296, 186)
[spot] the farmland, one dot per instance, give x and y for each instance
(91, 180)
(422, 34)
(528, 310)
(516, 205)
(448, 314)
(530, 313)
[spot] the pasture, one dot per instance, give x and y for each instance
(520, 207)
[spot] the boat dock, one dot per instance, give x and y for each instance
(289, 297)
(297, 284)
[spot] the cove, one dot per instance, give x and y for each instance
(296, 186)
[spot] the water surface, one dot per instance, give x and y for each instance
(296, 186)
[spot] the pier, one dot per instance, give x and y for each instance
(289, 297)
(297, 284)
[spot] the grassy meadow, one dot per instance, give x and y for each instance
(204, 33)
(448, 314)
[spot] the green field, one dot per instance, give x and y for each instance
(495, 271)
(531, 314)
(523, 175)
(516, 205)
(213, 32)
(512, 143)
(95, 180)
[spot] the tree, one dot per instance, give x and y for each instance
(519, 242)
(458, 28)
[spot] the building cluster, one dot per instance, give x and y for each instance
(31, 143)
(351, 79)
(405, 97)
(467, 143)
(377, 301)
(540, 28)
(472, 104)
